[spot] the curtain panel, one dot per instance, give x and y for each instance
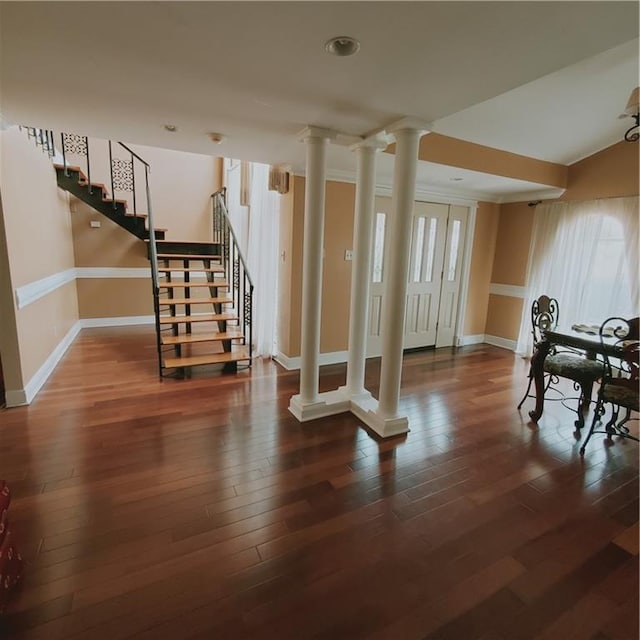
(584, 254)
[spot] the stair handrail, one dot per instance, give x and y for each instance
(236, 270)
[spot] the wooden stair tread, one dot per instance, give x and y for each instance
(203, 242)
(166, 270)
(201, 317)
(173, 301)
(187, 256)
(197, 283)
(203, 337)
(212, 358)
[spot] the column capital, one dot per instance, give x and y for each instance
(377, 142)
(409, 124)
(317, 132)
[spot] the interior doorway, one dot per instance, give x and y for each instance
(434, 279)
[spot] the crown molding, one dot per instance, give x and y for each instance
(550, 193)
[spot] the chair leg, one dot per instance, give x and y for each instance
(610, 426)
(526, 393)
(583, 404)
(597, 414)
(624, 420)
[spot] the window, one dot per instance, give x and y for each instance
(584, 254)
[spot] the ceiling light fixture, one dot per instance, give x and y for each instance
(171, 128)
(633, 110)
(217, 138)
(342, 46)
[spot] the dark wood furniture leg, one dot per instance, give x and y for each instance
(537, 361)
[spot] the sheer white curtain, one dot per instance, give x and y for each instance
(262, 258)
(584, 254)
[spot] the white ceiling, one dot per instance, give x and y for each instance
(542, 79)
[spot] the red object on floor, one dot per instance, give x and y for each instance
(11, 563)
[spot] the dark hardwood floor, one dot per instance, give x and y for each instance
(201, 509)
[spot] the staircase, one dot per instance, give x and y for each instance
(202, 291)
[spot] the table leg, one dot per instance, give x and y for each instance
(537, 367)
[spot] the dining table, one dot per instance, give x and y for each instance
(575, 337)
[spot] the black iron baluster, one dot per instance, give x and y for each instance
(133, 182)
(113, 191)
(64, 155)
(86, 142)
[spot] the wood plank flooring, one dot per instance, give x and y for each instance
(200, 508)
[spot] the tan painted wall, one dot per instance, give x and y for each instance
(37, 225)
(37, 339)
(9, 351)
(107, 246)
(503, 317)
(435, 147)
(36, 212)
(336, 272)
(114, 297)
(613, 172)
(512, 244)
(484, 242)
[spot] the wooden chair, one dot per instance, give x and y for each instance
(620, 382)
(565, 363)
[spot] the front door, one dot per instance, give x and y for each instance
(435, 267)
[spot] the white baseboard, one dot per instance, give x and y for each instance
(293, 363)
(473, 339)
(26, 395)
(501, 342)
(117, 321)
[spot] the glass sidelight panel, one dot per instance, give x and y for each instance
(453, 254)
(418, 235)
(431, 249)
(378, 247)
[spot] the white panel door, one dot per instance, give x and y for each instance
(451, 276)
(425, 271)
(435, 268)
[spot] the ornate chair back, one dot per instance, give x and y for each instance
(624, 334)
(544, 315)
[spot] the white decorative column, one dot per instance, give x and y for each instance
(361, 274)
(386, 420)
(307, 404)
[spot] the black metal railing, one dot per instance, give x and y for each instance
(128, 173)
(235, 265)
(43, 138)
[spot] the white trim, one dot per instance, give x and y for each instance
(28, 293)
(464, 341)
(509, 290)
(423, 192)
(15, 398)
(26, 395)
(293, 363)
(116, 321)
(550, 193)
(113, 272)
(501, 342)
(466, 273)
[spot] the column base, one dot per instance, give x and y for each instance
(367, 411)
(328, 404)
